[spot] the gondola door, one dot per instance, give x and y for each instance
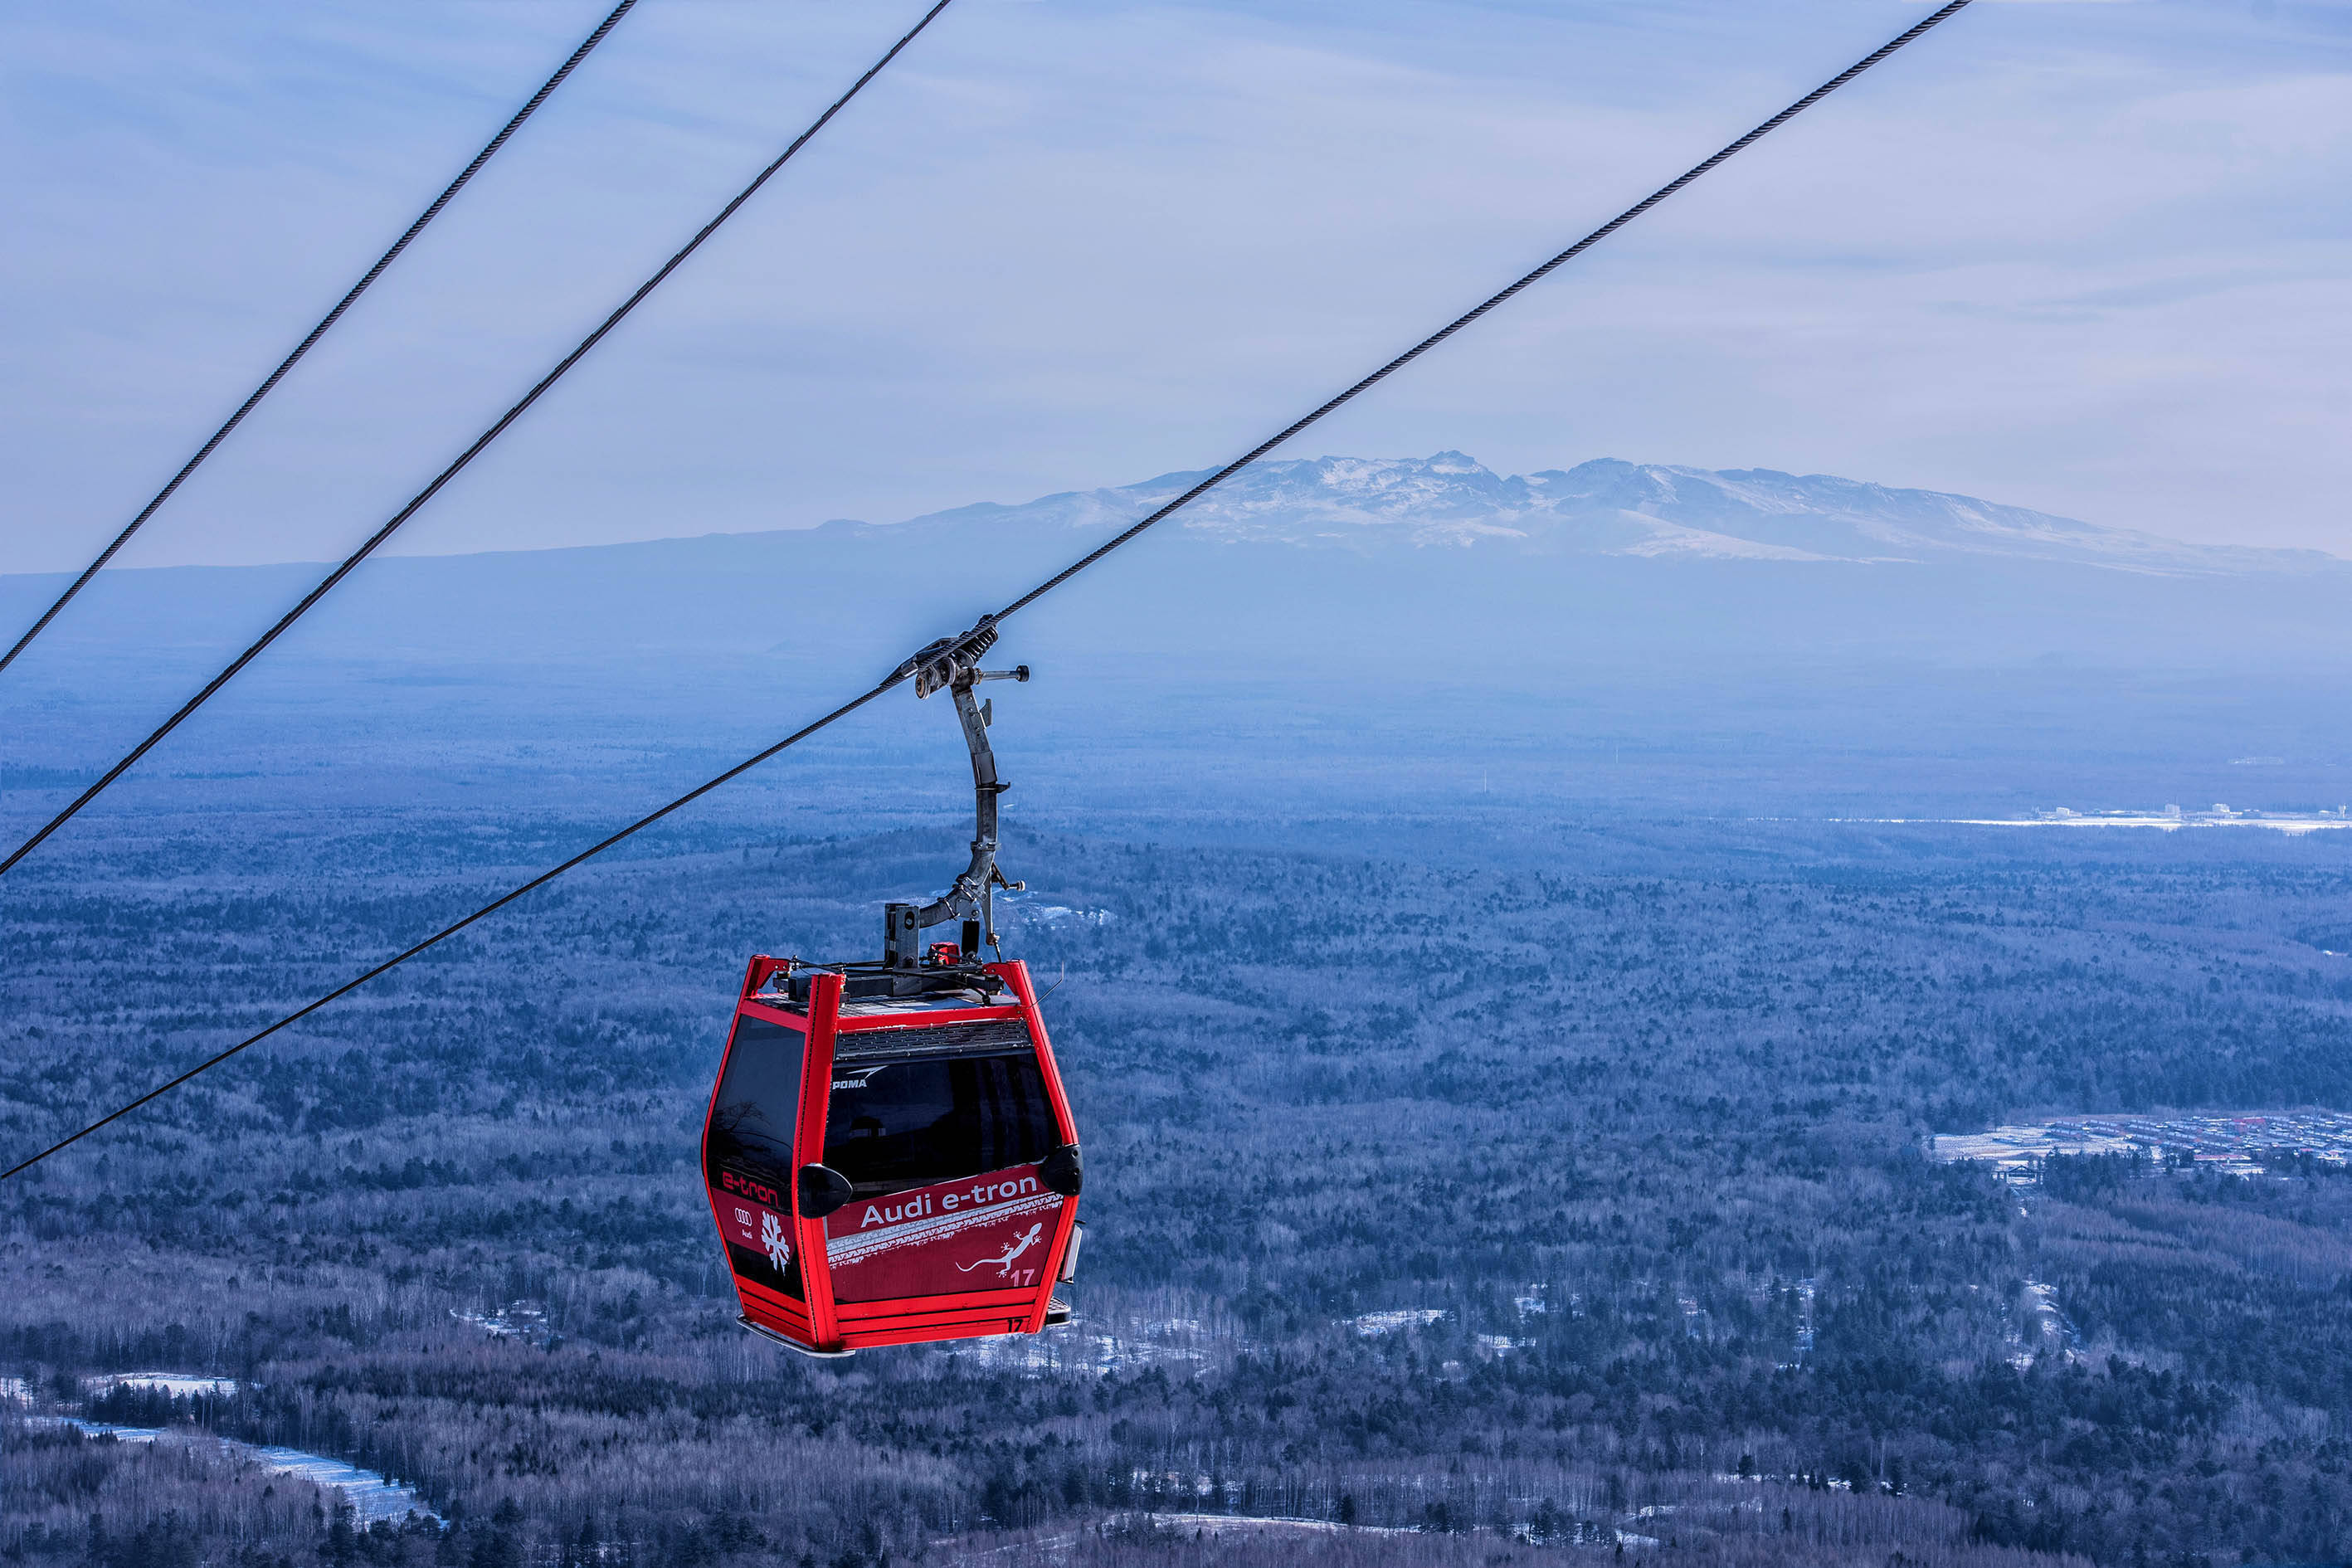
(954, 1140)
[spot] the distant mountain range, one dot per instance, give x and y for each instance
(1424, 566)
(1609, 508)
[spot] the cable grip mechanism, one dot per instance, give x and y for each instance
(952, 665)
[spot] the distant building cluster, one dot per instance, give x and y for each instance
(2233, 1146)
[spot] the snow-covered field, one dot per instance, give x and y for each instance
(1082, 1347)
(2277, 822)
(179, 1385)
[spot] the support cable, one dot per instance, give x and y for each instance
(416, 503)
(908, 670)
(331, 317)
(445, 932)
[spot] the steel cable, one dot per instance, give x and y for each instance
(905, 671)
(331, 317)
(416, 502)
(445, 932)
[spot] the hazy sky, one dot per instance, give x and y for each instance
(2091, 258)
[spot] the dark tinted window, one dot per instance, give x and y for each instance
(910, 1123)
(758, 1101)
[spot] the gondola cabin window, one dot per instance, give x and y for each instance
(747, 1155)
(897, 1125)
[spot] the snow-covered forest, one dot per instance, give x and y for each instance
(1563, 1192)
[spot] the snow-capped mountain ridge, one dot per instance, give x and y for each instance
(1612, 508)
(1430, 564)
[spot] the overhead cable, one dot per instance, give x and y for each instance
(329, 319)
(907, 670)
(416, 502)
(445, 932)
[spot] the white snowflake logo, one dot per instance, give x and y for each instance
(772, 1237)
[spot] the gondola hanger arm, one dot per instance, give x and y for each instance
(952, 665)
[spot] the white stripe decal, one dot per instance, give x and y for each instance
(857, 1248)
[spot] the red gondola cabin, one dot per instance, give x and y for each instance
(887, 1167)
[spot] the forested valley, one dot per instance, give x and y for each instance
(1572, 1197)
